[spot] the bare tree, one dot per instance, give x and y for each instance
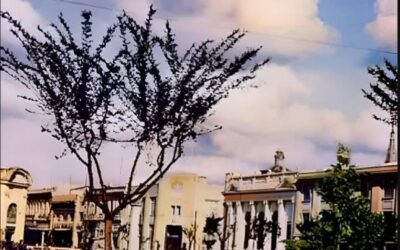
(128, 98)
(190, 233)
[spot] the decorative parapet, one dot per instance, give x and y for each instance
(284, 180)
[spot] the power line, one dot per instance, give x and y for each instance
(86, 4)
(323, 43)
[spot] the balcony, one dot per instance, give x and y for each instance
(98, 216)
(63, 224)
(388, 204)
(306, 205)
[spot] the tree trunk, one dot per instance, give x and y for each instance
(190, 245)
(107, 233)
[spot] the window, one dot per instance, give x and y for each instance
(289, 230)
(176, 210)
(388, 193)
(153, 207)
(151, 233)
(306, 194)
(306, 217)
(12, 213)
(289, 213)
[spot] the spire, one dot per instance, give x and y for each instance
(391, 155)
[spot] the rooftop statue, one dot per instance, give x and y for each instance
(279, 157)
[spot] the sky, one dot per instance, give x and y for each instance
(308, 97)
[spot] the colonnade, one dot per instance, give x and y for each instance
(236, 214)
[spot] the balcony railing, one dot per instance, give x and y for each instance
(63, 224)
(388, 204)
(306, 205)
(258, 181)
(98, 216)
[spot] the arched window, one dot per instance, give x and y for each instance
(12, 213)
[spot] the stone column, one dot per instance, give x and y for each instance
(76, 221)
(239, 237)
(268, 217)
(42, 240)
(47, 208)
(229, 213)
(282, 222)
(134, 218)
(252, 243)
(230, 221)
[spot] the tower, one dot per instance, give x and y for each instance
(391, 155)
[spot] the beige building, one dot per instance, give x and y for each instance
(66, 221)
(38, 217)
(14, 183)
(92, 220)
(265, 196)
(378, 183)
(178, 201)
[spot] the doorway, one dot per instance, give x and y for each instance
(173, 237)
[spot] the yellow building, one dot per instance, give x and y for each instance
(38, 217)
(14, 184)
(178, 202)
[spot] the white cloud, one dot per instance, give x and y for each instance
(258, 121)
(384, 28)
(22, 11)
(269, 21)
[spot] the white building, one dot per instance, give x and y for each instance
(252, 200)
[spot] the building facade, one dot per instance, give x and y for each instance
(92, 219)
(378, 183)
(178, 203)
(287, 198)
(66, 221)
(38, 217)
(252, 200)
(14, 184)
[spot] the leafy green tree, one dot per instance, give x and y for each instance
(143, 94)
(349, 222)
(383, 93)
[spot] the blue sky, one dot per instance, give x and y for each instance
(309, 96)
